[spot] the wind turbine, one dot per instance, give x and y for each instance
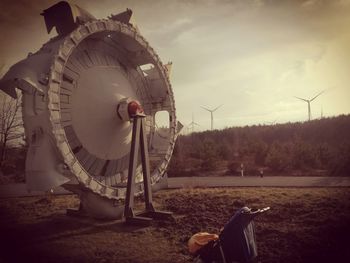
(211, 114)
(192, 124)
(271, 122)
(309, 101)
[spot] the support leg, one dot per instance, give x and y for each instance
(150, 210)
(139, 138)
(129, 214)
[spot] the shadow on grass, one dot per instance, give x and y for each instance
(36, 241)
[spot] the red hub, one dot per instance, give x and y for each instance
(135, 108)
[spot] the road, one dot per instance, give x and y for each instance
(273, 181)
(15, 190)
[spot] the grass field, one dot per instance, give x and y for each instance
(303, 225)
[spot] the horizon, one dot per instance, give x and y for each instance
(185, 133)
(254, 57)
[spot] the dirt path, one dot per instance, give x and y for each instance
(266, 181)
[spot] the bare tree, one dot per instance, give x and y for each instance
(11, 126)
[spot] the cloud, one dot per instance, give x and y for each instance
(253, 56)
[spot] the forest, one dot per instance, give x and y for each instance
(314, 148)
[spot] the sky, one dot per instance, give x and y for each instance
(250, 56)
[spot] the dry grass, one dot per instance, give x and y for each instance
(304, 225)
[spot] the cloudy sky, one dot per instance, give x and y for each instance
(251, 56)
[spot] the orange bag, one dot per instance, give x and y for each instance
(199, 240)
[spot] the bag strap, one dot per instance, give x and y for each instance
(221, 251)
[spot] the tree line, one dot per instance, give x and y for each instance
(318, 147)
(12, 148)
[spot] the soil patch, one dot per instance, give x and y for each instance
(303, 225)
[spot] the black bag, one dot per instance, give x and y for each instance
(210, 252)
(237, 240)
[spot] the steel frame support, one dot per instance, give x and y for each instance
(139, 140)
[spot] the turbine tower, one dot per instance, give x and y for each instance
(211, 114)
(271, 122)
(308, 103)
(192, 124)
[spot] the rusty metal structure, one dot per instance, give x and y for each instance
(76, 92)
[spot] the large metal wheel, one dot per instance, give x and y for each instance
(72, 88)
(98, 65)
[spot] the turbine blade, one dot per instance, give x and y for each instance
(218, 107)
(317, 95)
(205, 109)
(301, 99)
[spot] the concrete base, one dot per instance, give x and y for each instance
(98, 207)
(95, 206)
(161, 184)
